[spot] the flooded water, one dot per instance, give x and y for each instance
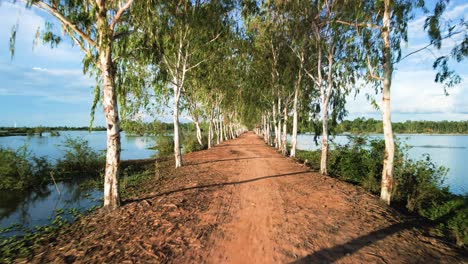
(40, 208)
(52, 147)
(450, 151)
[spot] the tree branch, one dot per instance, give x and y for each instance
(358, 24)
(119, 14)
(54, 12)
(425, 47)
(196, 65)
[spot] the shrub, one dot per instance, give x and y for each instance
(20, 170)
(191, 144)
(80, 160)
(165, 146)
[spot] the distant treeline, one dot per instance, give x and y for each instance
(153, 128)
(24, 131)
(362, 125)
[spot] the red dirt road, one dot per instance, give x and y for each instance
(242, 202)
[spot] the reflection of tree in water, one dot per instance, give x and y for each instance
(75, 194)
(72, 195)
(14, 201)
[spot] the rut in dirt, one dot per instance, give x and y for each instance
(242, 202)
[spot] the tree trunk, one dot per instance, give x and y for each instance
(295, 106)
(226, 132)
(278, 135)
(275, 125)
(199, 134)
(268, 130)
(231, 130)
(324, 156)
(177, 147)
(294, 129)
(218, 126)
(111, 112)
(221, 130)
(210, 130)
(387, 172)
(284, 147)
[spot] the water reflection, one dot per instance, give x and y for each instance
(39, 207)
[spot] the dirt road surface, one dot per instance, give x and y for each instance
(242, 202)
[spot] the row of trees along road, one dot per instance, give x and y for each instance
(241, 64)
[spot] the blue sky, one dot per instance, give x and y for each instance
(44, 86)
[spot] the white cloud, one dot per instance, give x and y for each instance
(59, 85)
(458, 11)
(452, 14)
(29, 21)
(39, 69)
(414, 92)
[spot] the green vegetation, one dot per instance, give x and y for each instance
(30, 131)
(80, 160)
(22, 171)
(362, 125)
(418, 184)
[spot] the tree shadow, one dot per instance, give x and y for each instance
(332, 254)
(213, 185)
(233, 159)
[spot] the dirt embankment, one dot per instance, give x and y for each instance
(242, 202)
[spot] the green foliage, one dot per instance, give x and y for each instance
(80, 160)
(418, 184)
(165, 146)
(458, 225)
(191, 144)
(20, 170)
(133, 177)
(362, 125)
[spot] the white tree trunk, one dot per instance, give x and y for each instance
(210, 130)
(387, 172)
(199, 133)
(177, 146)
(324, 156)
(111, 112)
(278, 135)
(294, 129)
(268, 130)
(284, 146)
(275, 125)
(295, 106)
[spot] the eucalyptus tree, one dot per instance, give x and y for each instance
(186, 29)
(97, 27)
(381, 26)
(267, 30)
(333, 51)
(298, 19)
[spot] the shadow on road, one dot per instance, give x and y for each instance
(233, 159)
(332, 254)
(214, 185)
